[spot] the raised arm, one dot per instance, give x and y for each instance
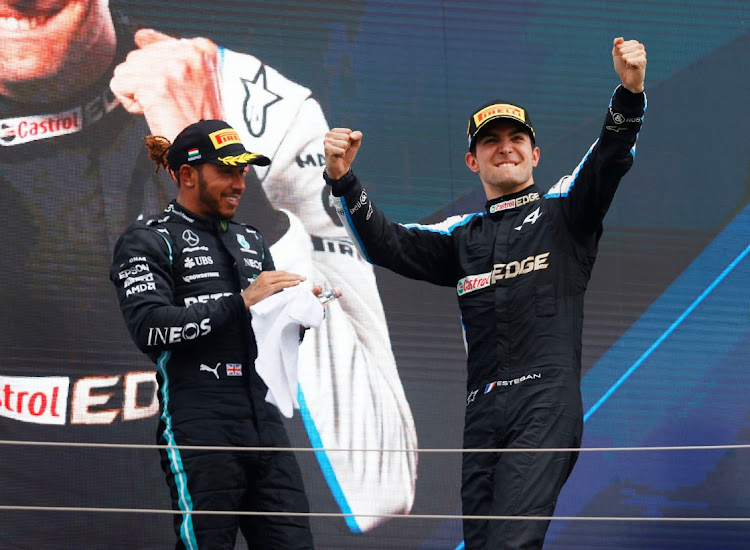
(414, 251)
(587, 192)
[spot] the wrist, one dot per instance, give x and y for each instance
(339, 186)
(627, 100)
(634, 90)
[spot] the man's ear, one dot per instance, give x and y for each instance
(186, 175)
(471, 162)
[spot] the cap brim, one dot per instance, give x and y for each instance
(242, 159)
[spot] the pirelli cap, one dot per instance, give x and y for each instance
(212, 141)
(498, 108)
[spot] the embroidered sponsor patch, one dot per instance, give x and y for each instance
(474, 282)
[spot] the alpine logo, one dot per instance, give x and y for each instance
(531, 218)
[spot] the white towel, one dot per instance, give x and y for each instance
(276, 321)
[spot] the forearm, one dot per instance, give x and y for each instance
(417, 252)
(588, 191)
(157, 327)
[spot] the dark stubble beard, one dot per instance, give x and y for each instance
(208, 200)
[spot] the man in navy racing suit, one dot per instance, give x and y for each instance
(185, 281)
(520, 270)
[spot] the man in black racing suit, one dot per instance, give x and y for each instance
(520, 270)
(185, 280)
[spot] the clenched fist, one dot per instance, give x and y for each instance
(341, 146)
(629, 57)
(172, 82)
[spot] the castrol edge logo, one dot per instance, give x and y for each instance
(510, 270)
(61, 400)
(227, 136)
(20, 130)
(474, 282)
(15, 131)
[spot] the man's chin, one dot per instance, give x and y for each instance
(229, 214)
(35, 47)
(59, 22)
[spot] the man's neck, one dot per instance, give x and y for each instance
(493, 193)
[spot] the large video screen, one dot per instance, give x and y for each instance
(666, 334)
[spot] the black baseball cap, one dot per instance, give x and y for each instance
(212, 141)
(495, 109)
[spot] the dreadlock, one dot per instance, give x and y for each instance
(158, 146)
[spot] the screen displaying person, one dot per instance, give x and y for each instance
(80, 85)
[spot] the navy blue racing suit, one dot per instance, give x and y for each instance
(178, 278)
(520, 270)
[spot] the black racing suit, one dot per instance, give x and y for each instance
(520, 270)
(178, 278)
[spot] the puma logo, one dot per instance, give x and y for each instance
(214, 370)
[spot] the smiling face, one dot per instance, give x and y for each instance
(50, 47)
(504, 157)
(211, 191)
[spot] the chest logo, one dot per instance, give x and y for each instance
(510, 270)
(244, 245)
(531, 218)
(189, 237)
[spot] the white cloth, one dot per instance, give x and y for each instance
(276, 322)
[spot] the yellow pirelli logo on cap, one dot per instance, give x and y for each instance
(227, 136)
(501, 109)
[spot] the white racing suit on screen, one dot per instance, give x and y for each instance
(74, 175)
(350, 392)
